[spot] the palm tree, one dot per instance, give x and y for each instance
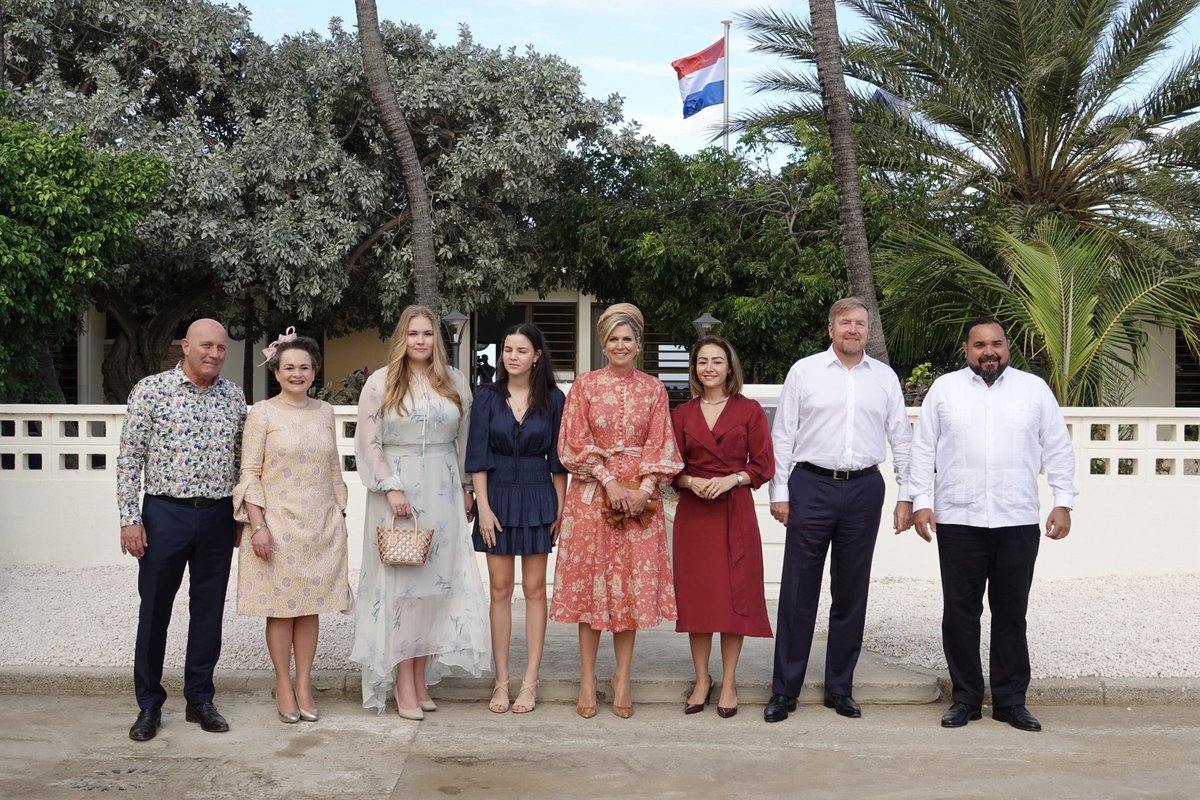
(395, 127)
(1040, 105)
(845, 166)
(1075, 302)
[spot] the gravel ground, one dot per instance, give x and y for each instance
(1109, 627)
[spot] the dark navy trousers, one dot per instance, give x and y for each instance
(1000, 560)
(200, 539)
(826, 515)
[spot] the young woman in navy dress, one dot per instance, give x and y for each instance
(512, 455)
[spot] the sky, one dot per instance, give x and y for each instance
(620, 46)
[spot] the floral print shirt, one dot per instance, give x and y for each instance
(186, 440)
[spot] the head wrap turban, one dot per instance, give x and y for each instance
(627, 310)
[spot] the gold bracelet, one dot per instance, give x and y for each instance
(259, 528)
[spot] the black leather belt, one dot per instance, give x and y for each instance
(191, 502)
(839, 474)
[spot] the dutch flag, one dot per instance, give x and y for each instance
(702, 78)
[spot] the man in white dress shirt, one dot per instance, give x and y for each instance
(987, 431)
(837, 413)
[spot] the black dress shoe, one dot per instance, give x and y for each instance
(959, 714)
(778, 707)
(1017, 716)
(208, 717)
(146, 725)
(843, 704)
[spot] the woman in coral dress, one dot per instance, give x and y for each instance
(292, 561)
(613, 571)
(726, 448)
(414, 624)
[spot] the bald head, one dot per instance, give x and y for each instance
(204, 351)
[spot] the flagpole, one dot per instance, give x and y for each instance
(726, 23)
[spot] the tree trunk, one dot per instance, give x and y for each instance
(828, 50)
(140, 345)
(395, 127)
(51, 386)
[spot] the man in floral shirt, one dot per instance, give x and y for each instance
(182, 432)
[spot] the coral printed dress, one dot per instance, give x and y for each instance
(615, 579)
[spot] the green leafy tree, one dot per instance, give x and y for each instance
(1076, 304)
(1046, 107)
(680, 235)
(66, 212)
(285, 193)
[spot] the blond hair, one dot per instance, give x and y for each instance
(847, 304)
(399, 374)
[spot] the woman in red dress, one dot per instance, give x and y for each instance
(725, 444)
(613, 572)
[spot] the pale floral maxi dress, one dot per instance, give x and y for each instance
(438, 609)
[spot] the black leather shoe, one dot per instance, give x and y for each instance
(959, 714)
(206, 714)
(843, 704)
(778, 707)
(146, 725)
(1017, 716)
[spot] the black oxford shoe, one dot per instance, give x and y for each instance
(208, 717)
(778, 707)
(843, 704)
(959, 714)
(1017, 716)
(146, 725)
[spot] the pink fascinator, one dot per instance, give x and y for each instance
(284, 338)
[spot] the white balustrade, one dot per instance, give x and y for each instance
(1138, 474)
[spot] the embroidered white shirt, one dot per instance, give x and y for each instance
(987, 446)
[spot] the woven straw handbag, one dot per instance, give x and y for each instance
(403, 547)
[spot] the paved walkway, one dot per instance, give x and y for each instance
(61, 748)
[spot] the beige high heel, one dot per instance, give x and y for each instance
(498, 706)
(624, 712)
(526, 698)
(415, 714)
(587, 712)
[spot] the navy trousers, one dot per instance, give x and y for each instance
(826, 515)
(200, 539)
(1000, 560)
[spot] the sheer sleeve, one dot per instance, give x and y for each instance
(577, 448)
(373, 467)
(761, 465)
(254, 445)
(479, 451)
(557, 398)
(464, 424)
(660, 456)
(341, 493)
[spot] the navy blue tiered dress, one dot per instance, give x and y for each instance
(519, 459)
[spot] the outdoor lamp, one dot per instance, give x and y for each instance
(704, 324)
(455, 321)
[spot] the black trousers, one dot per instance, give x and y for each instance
(1000, 560)
(200, 539)
(825, 515)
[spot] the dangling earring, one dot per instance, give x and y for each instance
(534, 365)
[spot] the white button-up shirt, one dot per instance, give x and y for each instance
(987, 446)
(839, 417)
